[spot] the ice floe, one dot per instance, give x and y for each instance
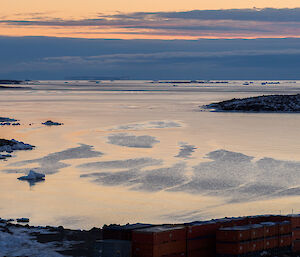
(128, 140)
(150, 180)
(33, 176)
(149, 125)
(121, 164)
(3, 119)
(186, 150)
(53, 162)
(234, 176)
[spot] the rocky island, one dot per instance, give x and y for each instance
(10, 146)
(265, 103)
(52, 123)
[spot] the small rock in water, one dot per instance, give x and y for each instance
(4, 156)
(8, 121)
(52, 123)
(3, 119)
(23, 220)
(33, 176)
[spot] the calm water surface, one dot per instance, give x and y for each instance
(135, 151)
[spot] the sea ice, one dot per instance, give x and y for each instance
(122, 164)
(235, 176)
(186, 150)
(149, 125)
(123, 139)
(52, 163)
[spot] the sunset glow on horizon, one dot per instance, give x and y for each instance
(150, 20)
(76, 8)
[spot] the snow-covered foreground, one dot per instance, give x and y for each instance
(18, 240)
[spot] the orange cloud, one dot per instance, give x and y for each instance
(245, 23)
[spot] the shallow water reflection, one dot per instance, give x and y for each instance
(147, 156)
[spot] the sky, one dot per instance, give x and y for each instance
(138, 25)
(156, 19)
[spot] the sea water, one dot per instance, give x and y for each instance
(143, 151)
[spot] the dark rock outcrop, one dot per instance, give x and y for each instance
(268, 103)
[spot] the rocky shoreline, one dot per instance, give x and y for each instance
(54, 241)
(10, 146)
(25, 240)
(265, 103)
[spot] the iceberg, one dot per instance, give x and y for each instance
(33, 176)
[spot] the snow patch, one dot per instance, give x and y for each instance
(19, 243)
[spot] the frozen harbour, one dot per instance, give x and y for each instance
(135, 151)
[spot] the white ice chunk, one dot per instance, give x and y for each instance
(33, 176)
